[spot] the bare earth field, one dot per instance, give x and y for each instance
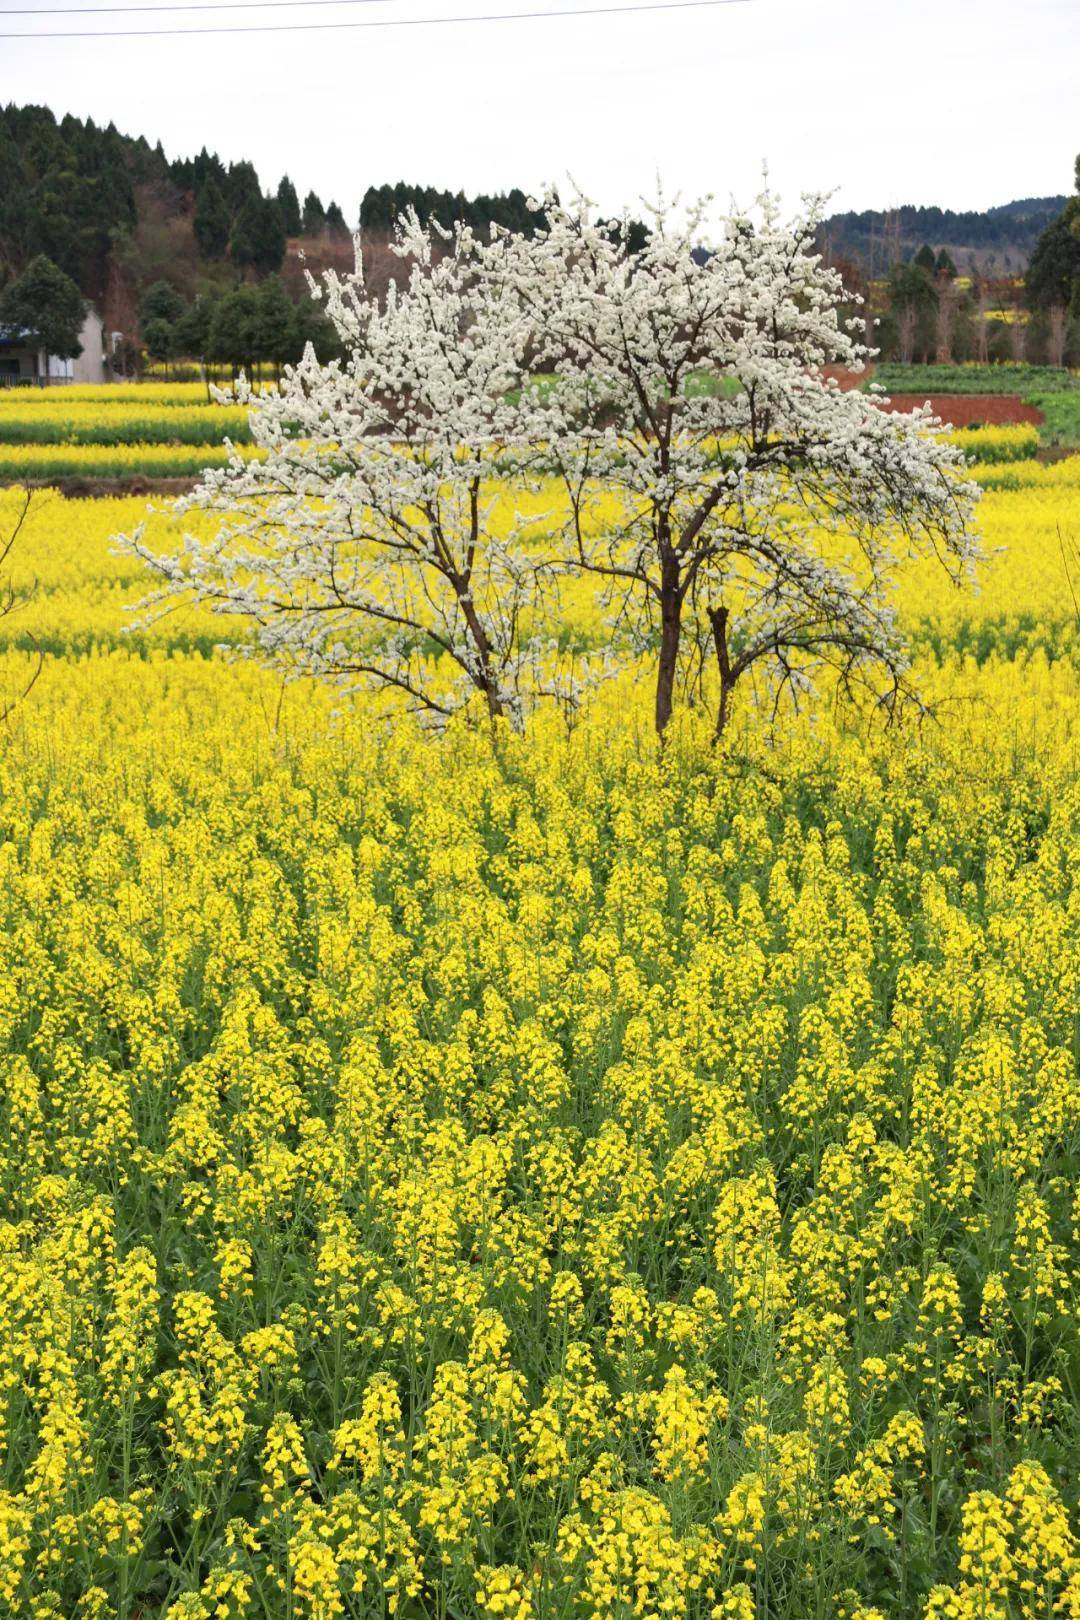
(964, 410)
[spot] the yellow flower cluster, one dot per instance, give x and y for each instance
(162, 430)
(1025, 603)
(1018, 1554)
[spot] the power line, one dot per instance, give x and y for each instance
(379, 22)
(198, 5)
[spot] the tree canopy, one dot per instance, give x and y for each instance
(1053, 275)
(64, 187)
(258, 236)
(243, 329)
(1012, 228)
(314, 216)
(45, 303)
(211, 222)
(289, 205)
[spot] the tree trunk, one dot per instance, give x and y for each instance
(718, 618)
(487, 683)
(1057, 327)
(494, 702)
(670, 627)
(945, 323)
(1017, 334)
(906, 323)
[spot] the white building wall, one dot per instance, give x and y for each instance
(92, 365)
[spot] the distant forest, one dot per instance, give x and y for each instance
(999, 240)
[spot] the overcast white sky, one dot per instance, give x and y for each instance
(965, 103)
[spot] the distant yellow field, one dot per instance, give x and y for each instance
(107, 395)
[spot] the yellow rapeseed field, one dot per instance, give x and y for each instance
(59, 423)
(488, 1179)
(104, 396)
(41, 462)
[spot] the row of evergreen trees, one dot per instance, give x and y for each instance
(249, 327)
(233, 218)
(70, 193)
(382, 205)
(1009, 230)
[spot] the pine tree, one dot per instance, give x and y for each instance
(335, 221)
(211, 220)
(258, 237)
(289, 205)
(314, 215)
(242, 186)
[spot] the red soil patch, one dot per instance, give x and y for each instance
(961, 410)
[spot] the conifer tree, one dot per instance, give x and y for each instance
(289, 205)
(314, 218)
(211, 220)
(258, 239)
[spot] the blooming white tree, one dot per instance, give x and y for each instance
(725, 493)
(374, 542)
(719, 485)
